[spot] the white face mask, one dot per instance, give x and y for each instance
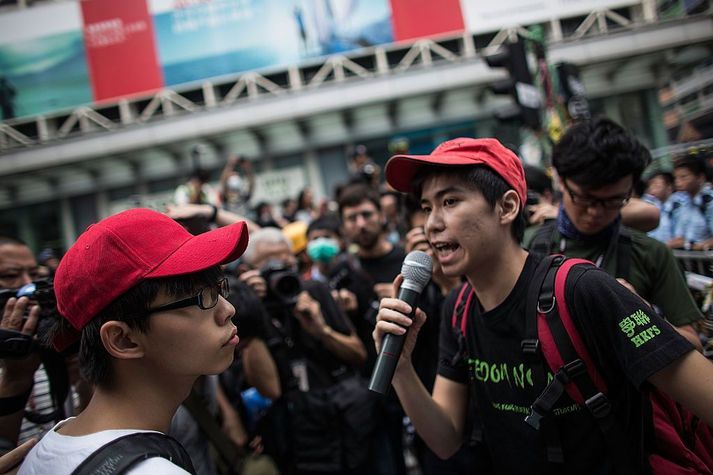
(235, 183)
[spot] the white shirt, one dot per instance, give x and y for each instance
(57, 454)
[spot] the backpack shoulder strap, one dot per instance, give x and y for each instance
(560, 340)
(121, 454)
(575, 372)
(623, 253)
(462, 307)
(542, 242)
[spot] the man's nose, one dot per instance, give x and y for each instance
(596, 209)
(225, 311)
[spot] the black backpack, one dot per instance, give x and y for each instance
(122, 454)
(682, 445)
(543, 244)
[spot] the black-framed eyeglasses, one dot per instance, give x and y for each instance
(206, 299)
(616, 202)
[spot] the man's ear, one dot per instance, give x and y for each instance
(120, 340)
(509, 206)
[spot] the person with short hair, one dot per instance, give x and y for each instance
(660, 192)
(473, 193)
(598, 162)
(693, 225)
(147, 302)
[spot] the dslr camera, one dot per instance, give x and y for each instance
(14, 344)
(40, 292)
(283, 283)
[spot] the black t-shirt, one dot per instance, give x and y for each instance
(610, 320)
(425, 354)
(346, 273)
(384, 268)
(291, 346)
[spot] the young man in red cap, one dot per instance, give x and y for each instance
(472, 192)
(146, 299)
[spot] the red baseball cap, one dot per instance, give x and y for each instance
(400, 169)
(115, 254)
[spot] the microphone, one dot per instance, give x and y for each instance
(416, 270)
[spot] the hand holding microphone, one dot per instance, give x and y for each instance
(396, 315)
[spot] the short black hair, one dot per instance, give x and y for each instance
(666, 176)
(200, 174)
(132, 308)
(537, 179)
(693, 163)
(598, 152)
(354, 195)
(480, 178)
(328, 222)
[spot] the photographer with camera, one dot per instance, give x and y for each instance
(363, 169)
(316, 426)
(18, 268)
(351, 287)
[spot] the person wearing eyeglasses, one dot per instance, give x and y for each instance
(147, 302)
(598, 162)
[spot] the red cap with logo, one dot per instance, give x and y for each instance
(117, 253)
(400, 169)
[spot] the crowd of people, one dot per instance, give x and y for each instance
(254, 353)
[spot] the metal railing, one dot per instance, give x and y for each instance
(698, 262)
(362, 65)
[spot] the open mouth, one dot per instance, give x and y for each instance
(445, 249)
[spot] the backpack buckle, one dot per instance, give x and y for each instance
(574, 368)
(530, 346)
(598, 405)
(534, 418)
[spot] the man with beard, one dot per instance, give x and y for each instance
(363, 226)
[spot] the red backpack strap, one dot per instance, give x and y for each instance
(462, 307)
(551, 349)
(573, 367)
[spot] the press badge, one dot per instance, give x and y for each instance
(299, 371)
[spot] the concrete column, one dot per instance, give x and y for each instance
(314, 175)
(25, 230)
(102, 200)
(611, 108)
(655, 114)
(68, 230)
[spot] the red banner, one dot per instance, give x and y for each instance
(121, 53)
(419, 18)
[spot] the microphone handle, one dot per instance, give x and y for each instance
(391, 347)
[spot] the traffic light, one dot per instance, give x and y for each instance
(572, 91)
(519, 85)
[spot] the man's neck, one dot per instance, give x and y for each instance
(380, 249)
(496, 280)
(138, 405)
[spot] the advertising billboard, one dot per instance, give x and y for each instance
(60, 55)
(120, 48)
(43, 63)
(483, 16)
(202, 39)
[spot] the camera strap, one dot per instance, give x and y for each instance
(15, 345)
(12, 404)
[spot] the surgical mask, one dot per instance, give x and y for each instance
(322, 249)
(235, 183)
